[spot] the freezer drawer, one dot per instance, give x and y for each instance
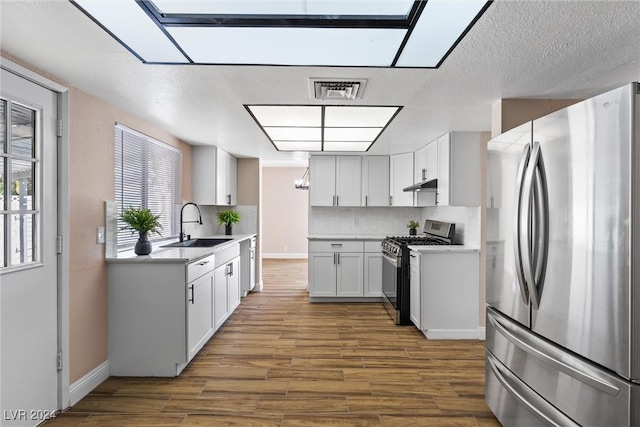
(543, 372)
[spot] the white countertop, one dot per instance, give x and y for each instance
(178, 255)
(346, 237)
(431, 249)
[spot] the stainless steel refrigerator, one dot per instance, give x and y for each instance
(563, 270)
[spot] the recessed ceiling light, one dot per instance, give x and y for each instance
(349, 33)
(306, 128)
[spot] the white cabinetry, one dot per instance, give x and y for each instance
(373, 269)
(335, 180)
(401, 177)
(200, 326)
(448, 295)
(226, 294)
(375, 181)
(214, 176)
(336, 269)
(459, 169)
(248, 262)
(426, 162)
(160, 315)
(414, 289)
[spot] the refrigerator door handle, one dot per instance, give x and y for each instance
(516, 225)
(538, 406)
(541, 203)
(528, 214)
(548, 354)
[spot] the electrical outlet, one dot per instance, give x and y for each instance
(285, 249)
(100, 235)
(356, 222)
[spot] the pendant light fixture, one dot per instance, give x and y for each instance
(303, 183)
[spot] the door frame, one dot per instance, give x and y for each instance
(63, 215)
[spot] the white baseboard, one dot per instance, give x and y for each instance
(451, 334)
(86, 384)
(482, 333)
(286, 255)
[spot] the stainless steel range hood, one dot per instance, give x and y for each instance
(424, 185)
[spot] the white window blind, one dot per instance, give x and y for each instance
(149, 175)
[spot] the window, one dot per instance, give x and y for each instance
(19, 167)
(148, 174)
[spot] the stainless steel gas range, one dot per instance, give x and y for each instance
(395, 266)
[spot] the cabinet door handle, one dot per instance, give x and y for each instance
(390, 200)
(253, 253)
(193, 295)
(366, 200)
(424, 174)
(338, 257)
(229, 199)
(230, 265)
(436, 198)
(334, 258)
(337, 200)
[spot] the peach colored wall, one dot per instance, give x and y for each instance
(91, 181)
(509, 113)
(285, 212)
(91, 176)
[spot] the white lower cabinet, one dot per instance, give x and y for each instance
(336, 269)
(226, 290)
(162, 313)
(345, 269)
(448, 294)
(373, 269)
(200, 325)
(414, 289)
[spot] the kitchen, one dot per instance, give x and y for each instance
(582, 58)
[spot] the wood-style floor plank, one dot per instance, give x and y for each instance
(280, 361)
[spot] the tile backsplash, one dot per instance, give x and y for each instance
(393, 221)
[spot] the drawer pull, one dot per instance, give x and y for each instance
(336, 244)
(204, 262)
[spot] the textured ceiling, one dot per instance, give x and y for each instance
(518, 49)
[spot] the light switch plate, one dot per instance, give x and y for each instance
(100, 235)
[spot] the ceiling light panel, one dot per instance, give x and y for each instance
(351, 134)
(358, 116)
(298, 145)
(346, 146)
(287, 7)
(294, 134)
(440, 25)
(290, 46)
(287, 115)
(129, 23)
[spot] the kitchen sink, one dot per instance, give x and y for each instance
(197, 243)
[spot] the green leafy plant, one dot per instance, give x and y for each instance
(141, 220)
(228, 216)
(413, 224)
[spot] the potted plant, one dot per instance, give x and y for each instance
(228, 217)
(144, 222)
(412, 226)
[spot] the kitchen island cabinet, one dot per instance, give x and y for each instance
(164, 307)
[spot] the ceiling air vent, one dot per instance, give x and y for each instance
(337, 89)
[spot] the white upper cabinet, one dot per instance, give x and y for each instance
(401, 177)
(426, 162)
(335, 180)
(375, 181)
(214, 176)
(459, 169)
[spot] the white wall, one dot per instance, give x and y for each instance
(284, 213)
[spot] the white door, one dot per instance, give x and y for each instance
(28, 260)
(322, 274)
(348, 180)
(322, 183)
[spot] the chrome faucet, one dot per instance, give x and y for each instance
(199, 221)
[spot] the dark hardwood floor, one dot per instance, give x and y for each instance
(281, 361)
